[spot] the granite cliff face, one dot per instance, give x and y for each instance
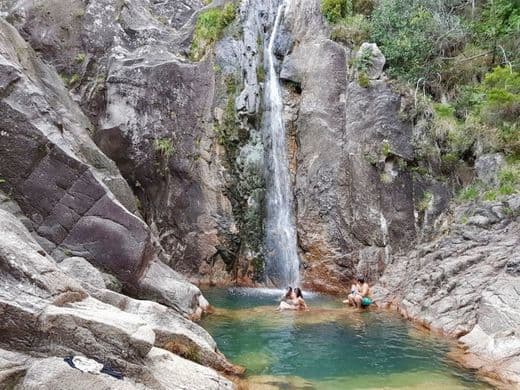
(195, 161)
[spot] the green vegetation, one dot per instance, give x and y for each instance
(209, 29)
(227, 128)
(424, 203)
(70, 81)
(363, 60)
(363, 80)
(458, 60)
(335, 10)
(80, 58)
(164, 146)
(508, 184)
(386, 148)
(351, 30)
(469, 193)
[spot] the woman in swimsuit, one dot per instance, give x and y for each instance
(294, 302)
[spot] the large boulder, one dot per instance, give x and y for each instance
(370, 57)
(82, 270)
(173, 332)
(488, 167)
(47, 313)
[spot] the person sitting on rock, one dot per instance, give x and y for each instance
(354, 290)
(362, 299)
(359, 296)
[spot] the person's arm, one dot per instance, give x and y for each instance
(365, 290)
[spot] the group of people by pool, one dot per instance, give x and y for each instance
(358, 297)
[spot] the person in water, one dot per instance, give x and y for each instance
(300, 302)
(289, 295)
(293, 300)
(359, 293)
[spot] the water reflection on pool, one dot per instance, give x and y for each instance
(328, 347)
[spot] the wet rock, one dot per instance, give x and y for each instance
(353, 193)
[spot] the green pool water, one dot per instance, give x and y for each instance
(328, 347)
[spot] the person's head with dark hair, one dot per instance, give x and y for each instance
(298, 292)
(289, 292)
(360, 279)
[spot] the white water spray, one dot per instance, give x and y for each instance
(282, 263)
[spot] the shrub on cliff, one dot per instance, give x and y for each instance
(351, 30)
(500, 107)
(209, 29)
(411, 33)
(334, 10)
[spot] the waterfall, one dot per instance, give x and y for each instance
(282, 263)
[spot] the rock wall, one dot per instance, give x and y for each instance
(73, 195)
(465, 284)
(354, 191)
(195, 160)
(126, 64)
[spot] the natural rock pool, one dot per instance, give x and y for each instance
(328, 347)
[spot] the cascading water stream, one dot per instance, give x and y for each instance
(282, 263)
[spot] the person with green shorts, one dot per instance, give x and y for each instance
(362, 299)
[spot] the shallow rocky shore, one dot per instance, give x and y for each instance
(466, 284)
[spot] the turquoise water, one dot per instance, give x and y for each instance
(328, 347)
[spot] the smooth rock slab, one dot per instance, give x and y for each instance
(174, 372)
(82, 270)
(55, 374)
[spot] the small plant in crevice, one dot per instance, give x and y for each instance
(363, 60)
(363, 80)
(189, 352)
(164, 146)
(469, 193)
(260, 73)
(425, 202)
(385, 178)
(386, 148)
(80, 58)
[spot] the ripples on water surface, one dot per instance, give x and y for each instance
(329, 347)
